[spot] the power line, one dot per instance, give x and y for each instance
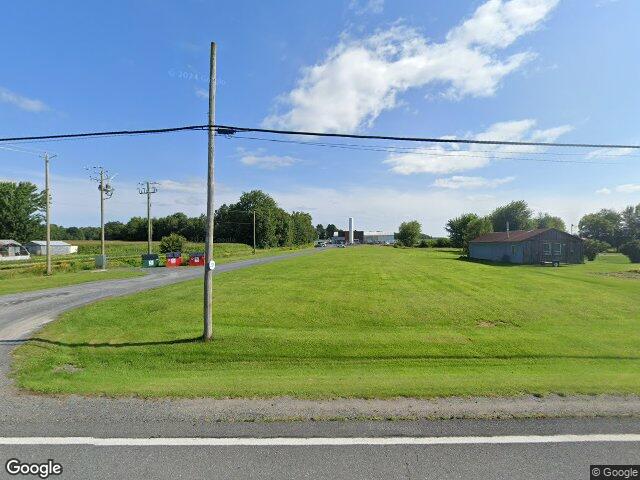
(399, 149)
(229, 130)
(490, 155)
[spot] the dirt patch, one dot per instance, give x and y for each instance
(488, 324)
(630, 274)
(67, 368)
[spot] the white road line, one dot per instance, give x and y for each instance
(317, 441)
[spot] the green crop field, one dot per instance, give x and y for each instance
(370, 322)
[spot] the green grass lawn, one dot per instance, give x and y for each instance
(29, 283)
(356, 322)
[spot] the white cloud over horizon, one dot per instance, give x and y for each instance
(22, 102)
(449, 158)
(260, 159)
(461, 182)
(361, 78)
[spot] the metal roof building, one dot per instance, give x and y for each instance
(542, 245)
(12, 250)
(39, 247)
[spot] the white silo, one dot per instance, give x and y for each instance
(350, 229)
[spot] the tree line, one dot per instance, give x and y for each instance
(22, 206)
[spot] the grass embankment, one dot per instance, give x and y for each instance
(363, 322)
(123, 262)
(30, 283)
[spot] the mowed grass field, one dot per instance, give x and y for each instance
(370, 322)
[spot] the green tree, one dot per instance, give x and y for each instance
(545, 220)
(331, 229)
(409, 233)
(172, 243)
(630, 223)
(632, 250)
(517, 214)
(456, 228)
(321, 232)
(21, 207)
(591, 248)
(475, 228)
(115, 231)
(303, 231)
(605, 225)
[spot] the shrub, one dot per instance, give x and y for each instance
(442, 242)
(632, 250)
(172, 243)
(593, 247)
(424, 243)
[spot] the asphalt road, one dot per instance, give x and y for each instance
(93, 437)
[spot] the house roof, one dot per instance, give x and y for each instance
(54, 243)
(509, 237)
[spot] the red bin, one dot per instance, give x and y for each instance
(196, 260)
(174, 259)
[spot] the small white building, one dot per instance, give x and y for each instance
(39, 247)
(11, 250)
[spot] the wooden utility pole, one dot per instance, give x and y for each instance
(147, 188)
(102, 249)
(101, 176)
(47, 190)
(208, 268)
(254, 232)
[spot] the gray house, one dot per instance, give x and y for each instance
(39, 247)
(540, 246)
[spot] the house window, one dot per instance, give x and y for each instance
(546, 248)
(558, 249)
(513, 249)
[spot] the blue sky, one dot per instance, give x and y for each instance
(549, 70)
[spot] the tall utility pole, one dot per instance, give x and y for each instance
(208, 270)
(101, 176)
(47, 190)
(254, 232)
(148, 188)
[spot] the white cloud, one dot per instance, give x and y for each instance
(360, 78)
(189, 186)
(24, 103)
(361, 7)
(624, 188)
(201, 93)
(610, 152)
(449, 158)
(457, 181)
(261, 160)
(628, 188)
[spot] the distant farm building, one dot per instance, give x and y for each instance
(379, 238)
(544, 245)
(39, 247)
(12, 250)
